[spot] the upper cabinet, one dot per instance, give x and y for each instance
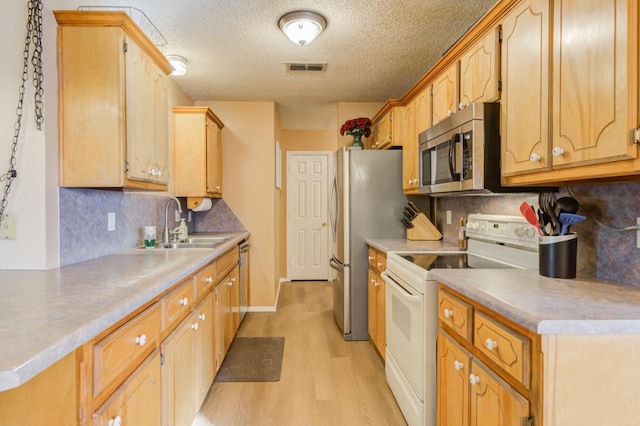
(525, 88)
(386, 127)
(197, 152)
(113, 104)
(578, 119)
(444, 92)
(480, 70)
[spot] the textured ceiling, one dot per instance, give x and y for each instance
(375, 49)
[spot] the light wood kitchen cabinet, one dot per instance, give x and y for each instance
(205, 348)
(113, 103)
(409, 149)
(138, 401)
(387, 127)
(487, 369)
(197, 151)
(524, 123)
(376, 300)
(480, 70)
(445, 93)
(177, 304)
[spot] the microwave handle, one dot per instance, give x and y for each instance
(457, 138)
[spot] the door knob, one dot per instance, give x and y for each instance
(324, 223)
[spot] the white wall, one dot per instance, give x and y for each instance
(33, 197)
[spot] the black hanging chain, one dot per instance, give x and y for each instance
(33, 39)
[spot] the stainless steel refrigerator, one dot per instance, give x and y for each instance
(366, 201)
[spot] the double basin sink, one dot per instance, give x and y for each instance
(194, 242)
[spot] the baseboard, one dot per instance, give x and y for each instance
(269, 308)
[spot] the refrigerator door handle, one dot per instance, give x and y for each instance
(334, 207)
(335, 264)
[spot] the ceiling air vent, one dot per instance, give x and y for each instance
(297, 66)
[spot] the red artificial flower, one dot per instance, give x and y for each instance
(361, 125)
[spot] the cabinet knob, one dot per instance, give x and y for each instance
(448, 313)
(194, 325)
(115, 422)
(370, 258)
(557, 151)
(208, 280)
(372, 281)
(491, 344)
(141, 339)
(217, 187)
(202, 316)
(462, 105)
(159, 172)
(379, 265)
(458, 365)
(415, 181)
(184, 301)
(449, 112)
(474, 380)
(229, 283)
(534, 158)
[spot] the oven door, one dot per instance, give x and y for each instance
(441, 163)
(405, 323)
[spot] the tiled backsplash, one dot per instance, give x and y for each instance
(83, 221)
(602, 252)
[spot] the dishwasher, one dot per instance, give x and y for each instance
(243, 248)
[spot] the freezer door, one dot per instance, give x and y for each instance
(341, 296)
(341, 207)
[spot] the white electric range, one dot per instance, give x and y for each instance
(494, 242)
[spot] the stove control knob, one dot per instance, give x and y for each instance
(473, 226)
(530, 233)
(519, 231)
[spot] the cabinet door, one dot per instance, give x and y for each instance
(594, 102)
(138, 401)
(383, 135)
(493, 401)
(178, 374)
(234, 302)
(524, 114)
(444, 94)
(140, 113)
(205, 348)
(371, 312)
(480, 71)
(160, 148)
(453, 382)
(381, 340)
(221, 320)
(214, 159)
(409, 148)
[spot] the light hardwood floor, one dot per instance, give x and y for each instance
(324, 381)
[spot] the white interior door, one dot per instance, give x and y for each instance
(307, 214)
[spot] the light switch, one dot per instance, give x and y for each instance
(8, 227)
(111, 221)
(448, 217)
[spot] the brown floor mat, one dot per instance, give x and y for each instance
(252, 359)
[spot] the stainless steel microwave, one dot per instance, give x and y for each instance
(461, 154)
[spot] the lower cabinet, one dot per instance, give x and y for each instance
(227, 313)
(137, 401)
(187, 370)
(376, 288)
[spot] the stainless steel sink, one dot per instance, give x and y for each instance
(194, 242)
(207, 240)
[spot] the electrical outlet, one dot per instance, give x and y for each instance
(638, 232)
(448, 217)
(8, 227)
(111, 221)
(177, 218)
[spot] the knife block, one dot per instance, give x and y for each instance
(423, 229)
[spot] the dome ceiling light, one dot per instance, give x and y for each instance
(302, 26)
(179, 64)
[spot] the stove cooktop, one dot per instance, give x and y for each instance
(428, 261)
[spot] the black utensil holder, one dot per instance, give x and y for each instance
(558, 255)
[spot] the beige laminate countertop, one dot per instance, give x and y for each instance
(386, 245)
(47, 314)
(550, 305)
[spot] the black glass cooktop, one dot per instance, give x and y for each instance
(430, 261)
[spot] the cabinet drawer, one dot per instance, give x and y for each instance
(456, 314)
(176, 304)
(226, 262)
(205, 280)
(115, 354)
(372, 256)
(381, 262)
(504, 346)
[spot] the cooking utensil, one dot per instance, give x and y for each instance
(568, 219)
(568, 205)
(408, 213)
(413, 207)
(548, 204)
(407, 224)
(530, 214)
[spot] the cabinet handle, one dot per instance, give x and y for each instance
(209, 280)
(491, 344)
(449, 112)
(229, 283)
(217, 187)
(194, 325)
(458, 365)
(379, 265)
(557, 151)
(447, 313)
(474, 380)
(202, 317)
(370, 258)
(372, 281)
(534, 158)
(462, 105)
(115, 422)
(184, 301)
(141, 339)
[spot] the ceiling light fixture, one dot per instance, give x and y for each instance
(179, 64)
(302, 26)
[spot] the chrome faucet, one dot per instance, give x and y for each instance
(165, 232)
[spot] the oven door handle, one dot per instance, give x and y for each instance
(457, 138)
(404, 293)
